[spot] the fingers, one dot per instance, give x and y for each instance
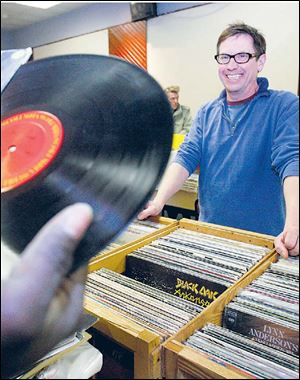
(150, 210)
(65, 312)
(287, 243)
(144, 214)
(48, 257)
(79, 276)
(280, 247)
(295, 250)
(291, 242)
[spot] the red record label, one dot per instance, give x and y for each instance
(29, 143)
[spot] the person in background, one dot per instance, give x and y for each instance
(181, 114)
(41, 304)
(246, 144)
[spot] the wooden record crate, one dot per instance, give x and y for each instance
(182, 362)
(166, 222)
(150, 361)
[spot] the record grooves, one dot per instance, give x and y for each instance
(112, 142)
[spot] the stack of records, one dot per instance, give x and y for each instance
(243, 355)
(191, 184)
(268, 309)
(155, 310)
(135, 230)
(192, 265)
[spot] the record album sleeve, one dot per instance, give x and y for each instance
(181, 284)
(260, 330)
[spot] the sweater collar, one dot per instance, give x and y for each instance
(263, 85)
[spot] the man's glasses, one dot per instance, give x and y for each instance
(223, 59)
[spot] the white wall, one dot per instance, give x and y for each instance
(88, 19)
(92, 43)
(181, 46)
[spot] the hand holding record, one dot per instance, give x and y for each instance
(80, 128)
(40, 303)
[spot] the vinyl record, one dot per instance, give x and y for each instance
(80, 128)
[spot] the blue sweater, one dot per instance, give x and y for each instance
(243, 165)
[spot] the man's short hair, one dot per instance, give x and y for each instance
(242, 28)
(172, 89)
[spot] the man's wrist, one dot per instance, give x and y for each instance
(159, 203)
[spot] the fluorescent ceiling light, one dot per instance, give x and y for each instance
(39, 4)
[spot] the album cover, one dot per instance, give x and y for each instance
(241, 353)
(261, 330)
(186, 286)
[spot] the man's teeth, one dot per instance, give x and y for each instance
(236, 76)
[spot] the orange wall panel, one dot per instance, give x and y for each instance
(129, 41)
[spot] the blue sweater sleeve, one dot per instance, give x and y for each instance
(189, 153)
(285, 148)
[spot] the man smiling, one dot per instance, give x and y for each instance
(246, 144)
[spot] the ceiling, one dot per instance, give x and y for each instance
(16, 16)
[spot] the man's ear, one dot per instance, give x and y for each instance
(261, 62)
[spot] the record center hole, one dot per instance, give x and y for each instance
(12, 148)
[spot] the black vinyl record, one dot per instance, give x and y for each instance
(80, 128)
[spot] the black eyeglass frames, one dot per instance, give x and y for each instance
(223, 59)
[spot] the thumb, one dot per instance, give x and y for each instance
(48, 257)
(144, 214)
(290, 240)
(280, 246)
